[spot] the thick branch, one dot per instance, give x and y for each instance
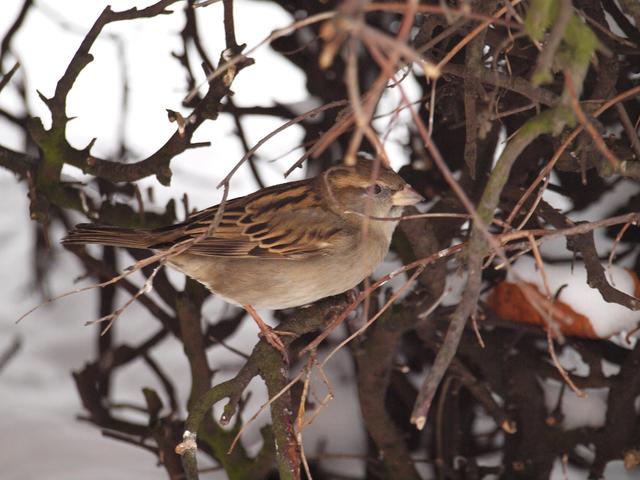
(374, 367)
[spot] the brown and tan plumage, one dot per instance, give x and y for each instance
(282, 246)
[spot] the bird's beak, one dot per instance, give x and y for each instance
(405, 197)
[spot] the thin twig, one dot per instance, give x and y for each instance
(561, 370)
(582, 118)
(629, 129)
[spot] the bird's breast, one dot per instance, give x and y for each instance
(285, 283)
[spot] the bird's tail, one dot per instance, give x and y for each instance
(107, 235)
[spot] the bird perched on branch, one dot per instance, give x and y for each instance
(283, 246)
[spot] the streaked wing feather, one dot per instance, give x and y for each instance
(265, 224)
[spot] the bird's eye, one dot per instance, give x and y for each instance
(376, 189)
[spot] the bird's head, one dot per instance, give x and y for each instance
(367, 188)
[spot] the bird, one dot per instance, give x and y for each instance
(283, 246)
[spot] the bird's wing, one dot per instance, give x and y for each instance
(284, 221)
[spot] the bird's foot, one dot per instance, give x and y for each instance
(273, 338)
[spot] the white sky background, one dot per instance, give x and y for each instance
(39, 401)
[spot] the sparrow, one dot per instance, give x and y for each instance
(283, 246)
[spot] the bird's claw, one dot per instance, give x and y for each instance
(272, 337)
